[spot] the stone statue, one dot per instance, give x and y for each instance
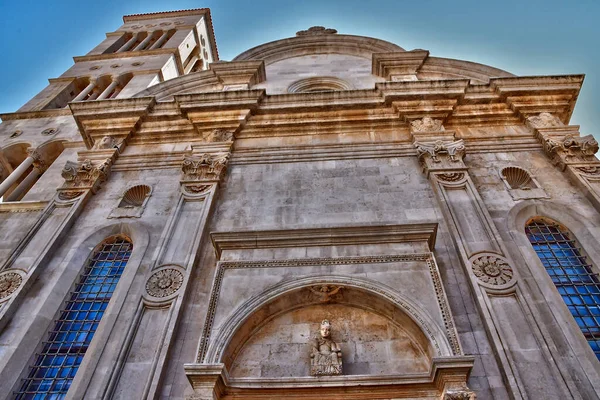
(326, 355)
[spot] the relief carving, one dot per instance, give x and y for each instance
(9, 283)
(571, 148)
(460, 395)
(492, 270)
(220, 135)
(426, 124)
(592, 170)
(326, 355)
(84, 175)
(107, 142)
(450, 176)
(316, 30)
(544, 120)
(325, 293)
(38, 160)
(164, 283)
(206, 168)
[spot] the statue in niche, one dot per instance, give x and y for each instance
(326, 355)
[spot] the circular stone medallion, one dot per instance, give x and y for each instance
(9, 283)
(492, 270)
(164, 283)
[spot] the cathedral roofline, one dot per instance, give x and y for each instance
(166, 14)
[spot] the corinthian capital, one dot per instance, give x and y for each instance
(571, 149)
(84, 175)
(441, 155)
(206, 168)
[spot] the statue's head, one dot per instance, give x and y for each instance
(325, 328)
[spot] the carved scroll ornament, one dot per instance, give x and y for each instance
(571, 148)
(84, 175)
(206, 168)
(454, 151)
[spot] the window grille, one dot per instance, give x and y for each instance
(56, 365)
(571, 273)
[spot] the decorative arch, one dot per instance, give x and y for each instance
(227, 341)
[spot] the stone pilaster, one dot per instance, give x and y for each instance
(493, 277)
(166, 282)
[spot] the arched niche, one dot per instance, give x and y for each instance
(377, 336)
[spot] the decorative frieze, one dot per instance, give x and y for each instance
(84, 175)
(207, 168)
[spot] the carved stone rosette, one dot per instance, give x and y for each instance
(83, 176)
(164, 282)
(492, 270)
(9, 283)
(441, 155)
(199, 173)
(571, 149)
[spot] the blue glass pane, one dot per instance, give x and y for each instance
(62, 353)
(572, 275)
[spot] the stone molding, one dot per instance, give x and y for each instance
(351, 235)
(212, 382)
(211, 351)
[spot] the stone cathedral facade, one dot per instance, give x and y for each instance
(324, 216)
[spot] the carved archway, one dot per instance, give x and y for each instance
(228, 339)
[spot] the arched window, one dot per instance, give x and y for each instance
(571, 273)
(56, 365)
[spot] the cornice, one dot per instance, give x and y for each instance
(348, 235)
(35, 114)
(126, 54)
(165, 14)
(23, 206)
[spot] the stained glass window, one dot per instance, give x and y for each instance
(571, 273)
(56, 364)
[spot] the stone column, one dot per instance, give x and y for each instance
(109, 89)
(160, 41)
(570, 152)
(128, 44)
(519, 345)
(25, 185)
(144, 42)
(19, 171)
(85, 91)
(176, 256)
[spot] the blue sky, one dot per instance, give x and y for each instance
(525, 37)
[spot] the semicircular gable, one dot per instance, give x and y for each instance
(360, 46)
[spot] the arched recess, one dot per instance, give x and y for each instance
(418, 338)
(586, 234)
(80, 253)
